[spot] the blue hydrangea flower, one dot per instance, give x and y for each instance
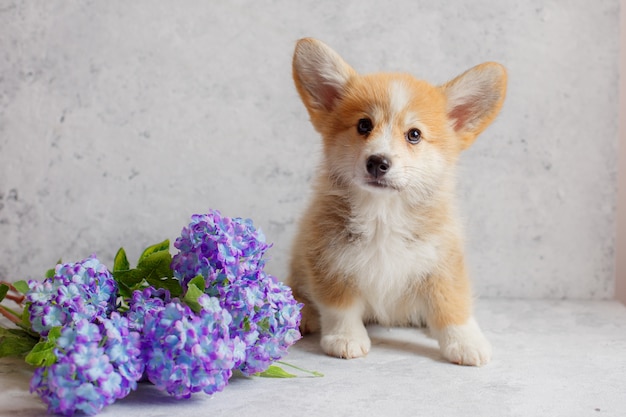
(142, 302)
(122, 345)
(228, 253)
(187, 352)
(85, 289)
(218, 248)
(265, 316)
(247, 320)
(97, 363)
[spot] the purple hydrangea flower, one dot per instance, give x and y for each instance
(142, 302)
(187, 352)
(247, 320)
(265, 316)
(228, 253)
(123, 347)
(218, 248)
(97, 363)
(85, 289)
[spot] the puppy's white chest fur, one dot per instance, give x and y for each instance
(386, 258)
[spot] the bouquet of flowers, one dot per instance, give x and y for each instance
(184, 323)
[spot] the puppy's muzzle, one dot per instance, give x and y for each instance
(378, 165)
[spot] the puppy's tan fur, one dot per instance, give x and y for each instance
(388, 249)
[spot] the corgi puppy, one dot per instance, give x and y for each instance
(381, 240)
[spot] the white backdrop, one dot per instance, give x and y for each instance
(118, 120)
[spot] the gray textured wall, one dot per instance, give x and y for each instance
(118, 120)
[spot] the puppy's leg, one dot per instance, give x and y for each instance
(343, 332)
(464, 344)
(331, 303)
(451, 322)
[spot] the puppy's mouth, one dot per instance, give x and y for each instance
(381, 184)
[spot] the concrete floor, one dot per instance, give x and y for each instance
(551, 358)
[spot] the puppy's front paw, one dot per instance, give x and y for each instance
(346, 346)
(465, 344)
(343, 332)
(471, 353)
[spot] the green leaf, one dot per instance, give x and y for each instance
(26, 324)
(130, 278)
(264, 324)
(170, 284)
(246, 324)
(156, 264)
(50, 272)
(15, 342)
(42, 353)
(123, 289)
(54, 333)
(158, 247)
(192, 295)
(127, 279)
(313, 373)
(121, 261)
(275, 372)
(153, 268)
(4, 289)
(21, 286)
(198, 281)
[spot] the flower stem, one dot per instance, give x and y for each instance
(17, 299)
(10, 315)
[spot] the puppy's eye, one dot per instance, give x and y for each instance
(364, 127)
(414, 136)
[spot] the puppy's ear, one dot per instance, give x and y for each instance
(320, 75)
(474, 99)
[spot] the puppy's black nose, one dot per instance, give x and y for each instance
(378, 165)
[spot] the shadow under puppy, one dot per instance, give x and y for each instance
(381, 240)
